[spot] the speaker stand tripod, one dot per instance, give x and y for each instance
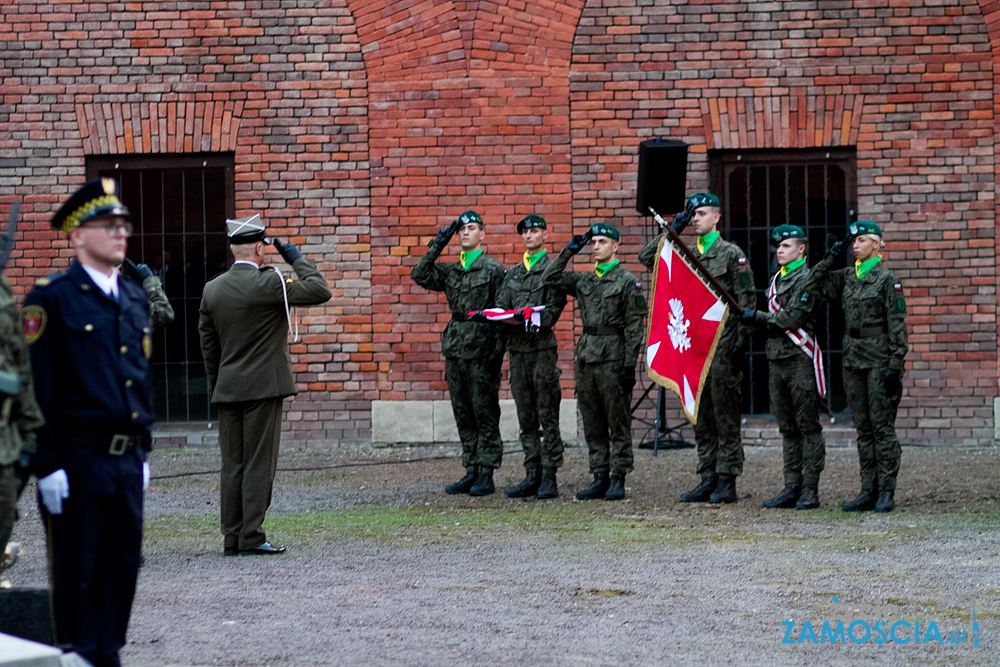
(659, 424)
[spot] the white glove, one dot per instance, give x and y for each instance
(145, 475)
(54, 488)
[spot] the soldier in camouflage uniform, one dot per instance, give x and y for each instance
(612, 310)
(472, 358)
(534, 375)
(717, 431)
(795, 398)
(161, 313)
(875, 346)
(20, 415)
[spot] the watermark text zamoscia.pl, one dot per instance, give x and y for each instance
(877, 632)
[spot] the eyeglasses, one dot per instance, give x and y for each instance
(112, 227)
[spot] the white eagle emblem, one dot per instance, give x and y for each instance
(678, 326)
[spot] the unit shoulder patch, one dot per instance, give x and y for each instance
(33, 320)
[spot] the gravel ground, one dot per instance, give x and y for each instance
(383, 568)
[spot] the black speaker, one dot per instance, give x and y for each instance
(662, 176)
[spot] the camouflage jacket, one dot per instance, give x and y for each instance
(728, 265)
(800, 310)
(20, 416)
(874, 313)
(612, 310)
(473, 289)
(522, 288)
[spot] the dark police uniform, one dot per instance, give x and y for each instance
(90, 355)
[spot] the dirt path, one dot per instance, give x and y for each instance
(385, 569)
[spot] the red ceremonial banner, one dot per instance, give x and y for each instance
(685, 322)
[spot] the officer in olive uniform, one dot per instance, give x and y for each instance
(875, 346)
(90, 341)
(20, 416)
(243, 325)
(612, 310)
(717, 431)
(792, 381)
(472, 358)
(534, 375)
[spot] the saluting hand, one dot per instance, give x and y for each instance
(576, 243)
(288, 251)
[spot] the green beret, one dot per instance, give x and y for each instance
(604, 229)
(863, 228)
(531, 221)
(700, 199)
(782, 232)
(470, 216)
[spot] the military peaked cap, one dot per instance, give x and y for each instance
(94, 200)
(246, 230)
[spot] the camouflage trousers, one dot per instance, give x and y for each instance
(874, 413)
(475, 403)
(534, 382)
(796, 404)
(8, 503)
(717, 434)
(607, 418)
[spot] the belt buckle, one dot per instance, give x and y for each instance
(119, 443)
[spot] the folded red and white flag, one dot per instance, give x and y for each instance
(801, 338)
(532, 315)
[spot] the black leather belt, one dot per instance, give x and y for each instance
(114, 444)
(867, 332)
(603, 331)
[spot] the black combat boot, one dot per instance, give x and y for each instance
(549, 488)
(484, 483)
(885, 502)
(700, 493)
(616, 490)
(725, 492)
(864, 502)
(463, 485)
(809, 500)
(528, 487)
(786, 498)
(597, 489)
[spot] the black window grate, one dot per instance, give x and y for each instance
(179, 204)
(760, 190)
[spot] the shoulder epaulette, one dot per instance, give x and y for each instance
(49, 279)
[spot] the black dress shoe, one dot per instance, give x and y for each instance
(230, 551)
(266, 549)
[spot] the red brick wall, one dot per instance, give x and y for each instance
(363, 126)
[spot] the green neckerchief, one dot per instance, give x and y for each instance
(862, 268)
(467, 258)
(602, 269)
(531, 260)
(707, 241)
(791, 266)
